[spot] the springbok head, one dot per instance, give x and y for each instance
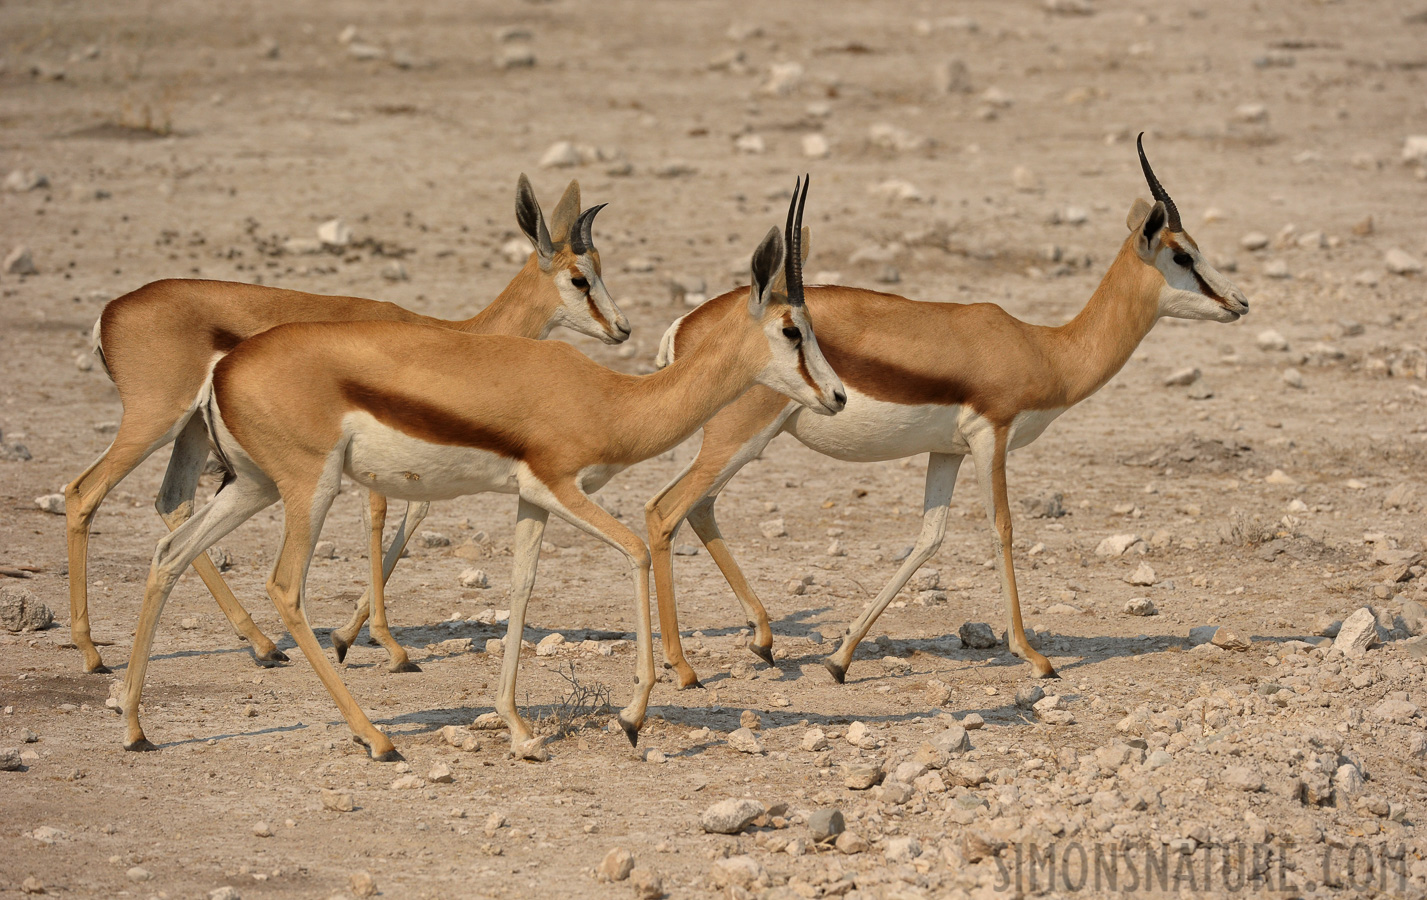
(1193, 289)
(566, 254)
(796, 367)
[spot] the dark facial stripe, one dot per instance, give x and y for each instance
(595, 312)
(1208, 291)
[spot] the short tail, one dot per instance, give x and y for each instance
(666, 344)
(208, 409)
(97, 347)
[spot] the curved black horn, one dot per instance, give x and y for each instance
(1156, 188)
(581, 233)
(793, 241)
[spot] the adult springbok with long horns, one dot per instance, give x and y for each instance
(160, 343)
(946, 379)
(419, 414)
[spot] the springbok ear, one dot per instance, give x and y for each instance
(1138, 211)
(532, 223)
(807, 242)
(767, 265)
(565, 213)
(1148, 235)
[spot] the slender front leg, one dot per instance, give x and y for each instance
(175, 506)
(941, 479)
(399, 662)
(529, 529)
(701, 519)
(990, 457)
(234, 505)
(344, 637)
(587, 515)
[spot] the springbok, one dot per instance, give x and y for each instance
(160, 343)
(423, 414)
(940, 378)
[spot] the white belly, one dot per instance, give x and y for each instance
(406, 468)
(869, 430)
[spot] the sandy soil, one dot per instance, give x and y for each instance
(188, 141)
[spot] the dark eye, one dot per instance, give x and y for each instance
(1183, 259)
(792, 334)
(580, 283)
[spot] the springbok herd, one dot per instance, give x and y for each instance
(292, 391)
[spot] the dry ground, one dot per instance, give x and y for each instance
(177, 143)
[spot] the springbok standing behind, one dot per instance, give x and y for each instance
(160, 343)
(940, 378)
(422, 414)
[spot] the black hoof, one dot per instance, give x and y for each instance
(142, 745)
(392, 755)
(100, 669)
(763, 653)
(1051, 674)
(340, 648)
(275, 657)
(407, 666)
(630, 732)
(697, 684)
(839, 674)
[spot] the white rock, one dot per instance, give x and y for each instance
(18, 181)
(1414, 149)
(744, 741)
(334, 233)
(738, 873)
(898, 189)
(1140, 606)
(359, 50)
(1116, 544)
(395, 270)
(1251, 112)
(1277, 268)
(814, 740)
(1143, 576)
(1183, 377)
(19, 262)
(1357, 633)
(751, 144)
(51, 503)
(893, 137)
(836, 549)
(815, 146)
(560, 155)
(730, 816)
(616, 865)
(1243, 778)
(1025, 179)
(1398, 262)
(440, 774)
(1292, 377)
(1225, 639)
(1347, 781)
(550, 644)
(783, 78)
(1270, 340)
(515, 57)
(773, 528)
(474, 578)
(324, 550)
(859, 735)
(1278, 476)
(1254, 240)
(902, 849)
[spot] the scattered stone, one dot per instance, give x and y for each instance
(560, 155)
(750, 720)
(1183, 378)
(815, 146)
(226, 892)
(1271, 341)
(850, 842)
(1226, 639)
(21, 610)
(515, 57)
(1243, 778)
(10, 759)
(261, 829)
(1400, 711)
(1029, 695)
(334, 233)
(363, 884)
(902, 850)
(951, 77)
(407, 783)
(338, 801)
(1115, 545)
(971, 722)
(826, 824)
(1143, 576)
(742, 872)
(977, 636)
(550, 644)
(51, 503)
(783, 78)
(1398, 262)
(33, 885)
(1050, 506)
(1277, 269)
(730, 816)
(20, 181)
(325, 550)
(1254, 241)
(616, 865)
(475, 578)
(954, 740)
(1293, 378)
(773, 528)
(395, 270)
(859, 735)
(494, 823)
(752, 144)
(744, 741)
(138, 873)
(1357, 633)
(836, 549)
(440, 774)
(1140, 606)
(1414, 616)
(814, 740)
(860, 776)
(647, 884)
(19, 262)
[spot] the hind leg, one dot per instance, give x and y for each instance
(141, 432)
(344, 637)
(175, 506)
(400, 662)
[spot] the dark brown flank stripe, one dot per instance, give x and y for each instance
(427, 422)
